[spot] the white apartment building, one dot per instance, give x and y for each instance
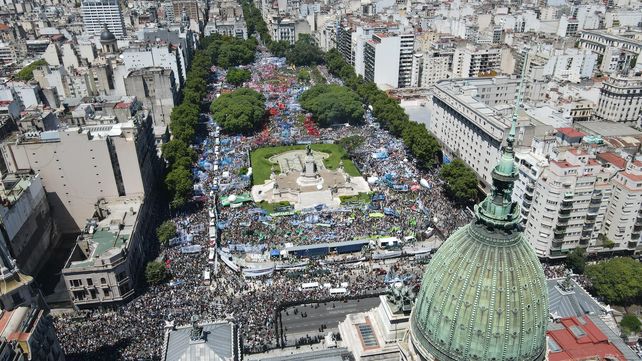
(468, 126)
(388, 60)
(471, 61)
(7, 53)
(620, 101)
(568, 205)
(623, 223)
(98, 13)
(78, 166)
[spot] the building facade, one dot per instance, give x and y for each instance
(117, 160)
(106, 263)
(98, 13)
(27, 333)
(156, 88)
(388, 60)
(620, 101)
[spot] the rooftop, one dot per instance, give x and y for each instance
(107, 237)
(612, 158)
(607, 129)
(218, 342)
(571, 133)
(579, 338)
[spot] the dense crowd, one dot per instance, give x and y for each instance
(134, 331)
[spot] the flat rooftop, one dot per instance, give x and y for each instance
(607, 129)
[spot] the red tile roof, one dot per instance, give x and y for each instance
(580, 339)
(633, 177)
(122, 105)
(563, 163)
(612, 158)
(571, 132)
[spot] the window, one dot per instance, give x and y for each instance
(75, 283)
(90, 282)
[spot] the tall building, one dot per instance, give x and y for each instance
(618, 51)
(98, 13)
(466, 120)
(115, 160)
(26, 223)
(620, 101)
(483, 295)
(388, 60)
(471, 61)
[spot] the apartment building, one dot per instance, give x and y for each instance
(79, 165)
(106, 263)
(388, 60)
(472, 61)
(623, 219)
(620, 101)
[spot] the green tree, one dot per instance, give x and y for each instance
(304, 52)
(630, 324)
(422, 145)
(617, 280)
(461, 182)
(26, 73)
(155, 273)
(303, 76)
(237, 76)
(332, 104)
(180, 184)
(176, 149)
(279, 48)
(241, 111)
(165, 232)
(576, 260)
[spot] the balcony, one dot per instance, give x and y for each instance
(568, 195)
(567, 205)
(593, 211)
(631, 245)
(564, 215)
(529, 188)
(556, 245)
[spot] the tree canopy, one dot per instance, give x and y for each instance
(332, 104)
(254, 21)
(304, 52)
(155, 273)
(387, 111)
(238, 76)
(461, 181)
(26, 73)
(279, 48)
(630, 324)
(241, 111)
(165, 232)
(617, 280)
(576, 260)
(351, 143)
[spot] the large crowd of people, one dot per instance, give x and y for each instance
(134, 331)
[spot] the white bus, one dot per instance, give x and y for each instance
(207, 277)
(211, 255)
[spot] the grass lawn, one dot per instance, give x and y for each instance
(271, 207)
(262, 167)
(361, 198)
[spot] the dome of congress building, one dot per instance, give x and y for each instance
(483, 294)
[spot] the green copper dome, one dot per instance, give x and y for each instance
(483, 295)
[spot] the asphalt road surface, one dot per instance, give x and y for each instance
(296, 326)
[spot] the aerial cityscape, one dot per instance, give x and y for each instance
(320, 180)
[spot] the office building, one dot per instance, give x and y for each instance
(466, 120)
(98, 13)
